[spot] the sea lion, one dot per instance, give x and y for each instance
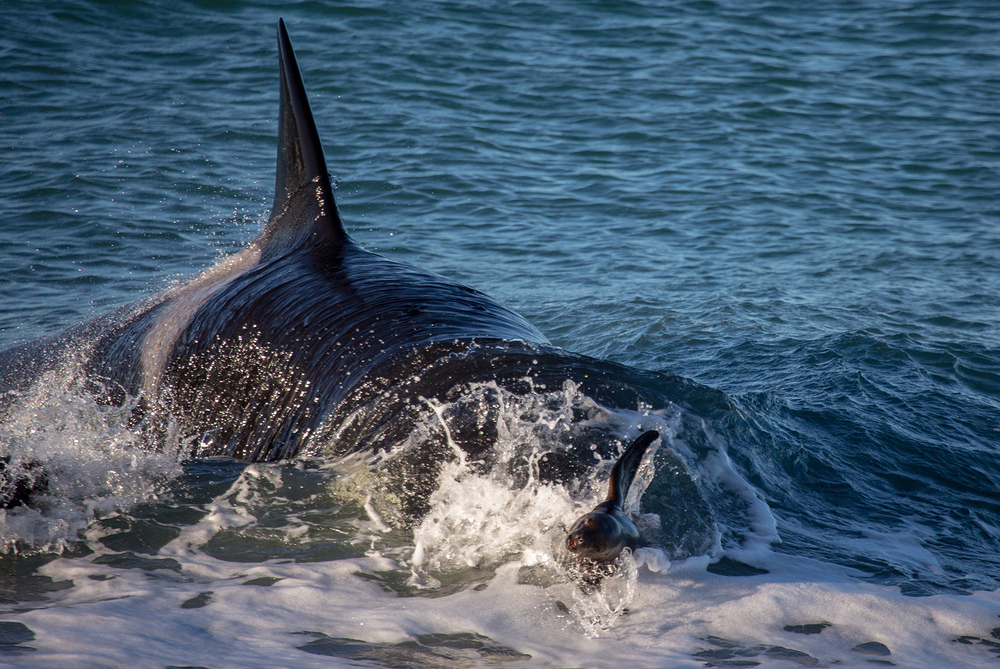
(602, 534)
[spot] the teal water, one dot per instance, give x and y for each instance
(796, 206)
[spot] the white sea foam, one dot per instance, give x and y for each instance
(93, 463)
(484, 518)
(183, 605)
(682, 618)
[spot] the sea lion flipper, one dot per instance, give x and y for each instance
(624, 471)
(302, 187)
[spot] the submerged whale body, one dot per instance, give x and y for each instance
(305, 343)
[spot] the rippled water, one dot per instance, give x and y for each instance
(794, 205)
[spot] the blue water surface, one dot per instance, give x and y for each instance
(795, 204)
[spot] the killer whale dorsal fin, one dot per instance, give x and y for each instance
(624, 471)
(304, 207)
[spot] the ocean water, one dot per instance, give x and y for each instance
(794, 206)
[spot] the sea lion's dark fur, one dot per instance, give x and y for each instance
(602, 534)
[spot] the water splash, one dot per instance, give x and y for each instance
(506, 508)
(508, 505)
(93, 463)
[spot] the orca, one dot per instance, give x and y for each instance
(304, 343)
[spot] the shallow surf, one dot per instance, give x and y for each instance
(793, 206)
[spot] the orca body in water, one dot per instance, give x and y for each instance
(304, 343)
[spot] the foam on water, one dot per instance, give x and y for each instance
(292, 563)
(501, 528)
(282, 613)
(481, 518)
(93, 463)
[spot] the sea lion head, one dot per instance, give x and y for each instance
(599, 536)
